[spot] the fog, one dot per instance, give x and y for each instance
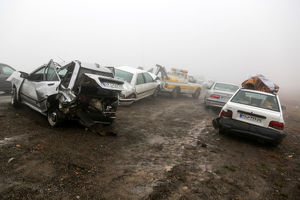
(220, 40)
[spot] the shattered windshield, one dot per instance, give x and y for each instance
(256, 99)
(226, 87)
(123, 75)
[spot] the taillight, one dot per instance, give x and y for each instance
(215, 96)
(276, 125)
(227, 113)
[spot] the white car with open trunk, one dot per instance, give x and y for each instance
(253, 113)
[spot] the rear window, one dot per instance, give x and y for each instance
(226, 87)
(256, 99)
(123, 75)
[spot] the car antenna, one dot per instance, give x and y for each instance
(61, 59)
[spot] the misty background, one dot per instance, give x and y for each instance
(220, 40)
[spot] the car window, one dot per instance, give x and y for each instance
(140, 79)
(123, 75)
(51, 75)
(256, 99)
(148, 78)
(62, 72)
(38, 75)
(226, 87)
(7, 70)
(67, 78)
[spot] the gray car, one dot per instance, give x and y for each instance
(5, 72)
(219, 93)
(86, 92)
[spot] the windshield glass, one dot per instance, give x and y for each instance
(256, 99)
(123, 75)
(226, 87)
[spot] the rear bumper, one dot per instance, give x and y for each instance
(212, 103)
(239, 127)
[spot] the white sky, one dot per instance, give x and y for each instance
(223, 40)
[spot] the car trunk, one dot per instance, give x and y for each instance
(252, 115)
(224, 95)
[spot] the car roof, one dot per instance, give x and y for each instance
(131, 69)
(226, 83)
(260, 92)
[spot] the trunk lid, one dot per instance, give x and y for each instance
(253, 115)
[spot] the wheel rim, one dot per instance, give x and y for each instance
(52, 118)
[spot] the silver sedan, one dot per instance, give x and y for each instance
(219, 93)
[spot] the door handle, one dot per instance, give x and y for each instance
(50, 84)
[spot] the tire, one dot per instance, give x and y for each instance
(54, 117)
(155, 93)
(196, 94)
(14, 97)
(222, 131)
(275, 143)
(175, 93)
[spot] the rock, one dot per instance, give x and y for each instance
(168, 168)
(11, 159)
(17, 145)
(77, 197)
(185, 188)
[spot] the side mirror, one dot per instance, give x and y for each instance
(24, 75)
(283, 107)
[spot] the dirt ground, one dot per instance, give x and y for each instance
(164, 149)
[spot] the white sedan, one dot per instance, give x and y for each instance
(138, 84)
(253, 113)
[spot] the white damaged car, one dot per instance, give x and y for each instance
(138, 84)
(253, 113)
(86, 92)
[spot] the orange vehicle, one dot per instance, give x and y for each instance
(260, 83)
(176, 82)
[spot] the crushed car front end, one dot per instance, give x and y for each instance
(89, 93)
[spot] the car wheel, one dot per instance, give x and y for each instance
(175, 93)
(222, 131)
(54, 117)
(14, 98)
(196, 94)
(155, 93)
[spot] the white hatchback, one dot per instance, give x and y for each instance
(253, 113)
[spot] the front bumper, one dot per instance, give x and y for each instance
(123, 101)
(213, 103)
(236, 126)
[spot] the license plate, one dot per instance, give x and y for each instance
(113, 85)
(250, 118)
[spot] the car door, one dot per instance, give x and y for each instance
(48, 87)
(5, 72)
(28, 89)
(150, 84)
(40, 84)
(140, 86)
